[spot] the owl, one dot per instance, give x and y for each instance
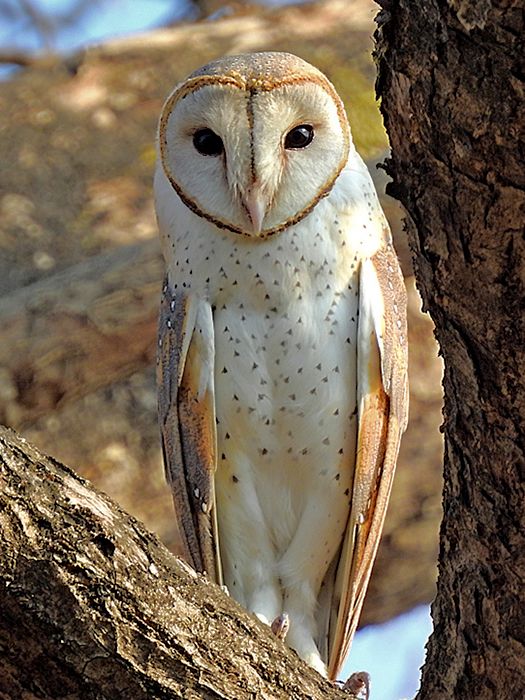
(282, 359)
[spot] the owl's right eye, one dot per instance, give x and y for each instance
(207, 143)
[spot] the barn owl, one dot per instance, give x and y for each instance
(282, 362)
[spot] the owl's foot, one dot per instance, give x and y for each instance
(358, 685)
(281, 625)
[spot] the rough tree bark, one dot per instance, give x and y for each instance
(94, 606)
(451, 81)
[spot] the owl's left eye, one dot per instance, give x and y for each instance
(299, 137)
(207, 143)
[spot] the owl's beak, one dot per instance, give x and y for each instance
(255, 202)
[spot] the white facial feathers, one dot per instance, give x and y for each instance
(257, 182)
(295, 178)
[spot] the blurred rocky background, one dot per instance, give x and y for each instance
(80, 267)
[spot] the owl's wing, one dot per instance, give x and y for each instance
(187, 422)
(382, 395)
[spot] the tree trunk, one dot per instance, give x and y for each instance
(93, 606)
(451, 82)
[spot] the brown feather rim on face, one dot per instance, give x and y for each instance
(263, 85)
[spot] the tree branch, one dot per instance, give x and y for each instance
(92, 605)
(77, 330)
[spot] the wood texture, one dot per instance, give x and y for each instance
(451, 82)
(92, 605)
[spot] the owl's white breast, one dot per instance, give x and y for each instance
(285, 318)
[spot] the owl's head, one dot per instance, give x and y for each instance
(253, 142)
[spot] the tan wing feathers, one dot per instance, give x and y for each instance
(187, 421)
(383, 409)
(197, 426)
(357, 559)
(394, 357)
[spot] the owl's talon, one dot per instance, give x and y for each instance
(358, 684)
(224, 589)
(280, 626)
